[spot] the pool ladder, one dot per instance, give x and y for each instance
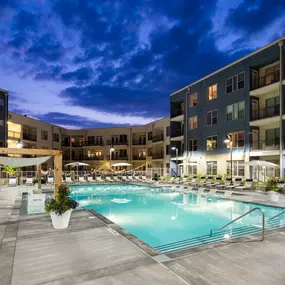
(247, 213)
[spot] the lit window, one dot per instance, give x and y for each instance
(212, 143)
(238, 167)
(237, 139)
(193, 122)
(212, 92)
(193, 100)
(212, 168)
(212, 117)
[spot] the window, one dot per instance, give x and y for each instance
(272, 137)
(56, 137)
(212, 117)
(99, 140)
(235, 82)
(193, 122)
(149, 151)
(235, 111)
(167, 149)
(212, 168)
(44, 135)
(168, 131)
(237, 139)
(212, 143)
(193, 169)
(193, 99)
(193, 145)
(238, 167)
(212, 92)
(149, 136)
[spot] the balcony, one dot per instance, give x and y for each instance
(114, 143)
(272, 144)
(265, 80)
(99, 157)
(177, 134)
(117, 157)
(139, 142)
(77, 144)
(93, 143)
(65, 144)
(265, 113)
(15, 135)
(29, 137)
(138, 157)
(157, 156)
(158, 138)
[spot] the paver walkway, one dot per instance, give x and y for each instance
(89, 252)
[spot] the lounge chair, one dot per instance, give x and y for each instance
(12, 181)
(130, 178)
(200, 190)
(29, 181)
(116, 179)
(50, 180)
(227, 183)
(184, 179)
(202, 181)
(212, 192)
(81, 179)
(36, 199)
(193, 182)
(226, 194)
(99, 179)
(237, 183)
(68, 179)
(209, 181)
(171, 180)
(124, 178)
(90, 179)
(109, 179)
(247, 185)
(136, 178)
(281, 184)
(217, 182)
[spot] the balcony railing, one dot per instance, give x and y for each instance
(265, 113)
(93, 143)
(177, 133)
(139, 142)
(117, 157)
(29, 137)
(77, 144)
(101, 157)
(272, 144)
(158, 138)
(65, 144)
(137, 157)
(117, 142)
(177, 113)
(265, 80)
(157, 156)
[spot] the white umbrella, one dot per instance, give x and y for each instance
(260, 163)
(77, 163)
(121, 164)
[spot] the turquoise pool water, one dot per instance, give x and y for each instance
(160, 216)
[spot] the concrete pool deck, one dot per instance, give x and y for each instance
(91, 252)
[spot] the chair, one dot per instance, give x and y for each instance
(116, 179)
(109, 179)
(217, 182)
(202, 181)
(212, 192)
(50, 180)
(227, 183)
(12, 181)
(237, 183)
(136, 178)
(226, 194)
(125, 179)
(200, 190)
(36, 199)
(68, 179)
(184, 179)
(29, 181)
(81, 179)
(247, 185)
(171, 180)
(130, 178)
(90, 179)
(209, 181)
(99, 179)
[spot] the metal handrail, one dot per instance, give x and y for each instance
(252, 210)
(280, 213)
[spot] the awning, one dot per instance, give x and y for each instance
(21, 161)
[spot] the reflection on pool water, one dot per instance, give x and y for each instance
(160, 216)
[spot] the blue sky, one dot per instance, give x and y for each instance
(102, 63)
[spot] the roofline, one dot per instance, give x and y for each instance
(235, 62)
(5, 91)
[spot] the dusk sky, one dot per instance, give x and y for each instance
(83, 64)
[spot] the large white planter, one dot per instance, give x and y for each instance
(60, 222)
(273, 196)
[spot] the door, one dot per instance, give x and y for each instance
(255, 139)
(254, 109)
(254, 76)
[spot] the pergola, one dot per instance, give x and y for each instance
(57, 158)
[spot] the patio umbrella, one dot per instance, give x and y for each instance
(260, 163)
(121, 164)
(77, 164)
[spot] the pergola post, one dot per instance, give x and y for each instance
(39, 176)
(57, 172)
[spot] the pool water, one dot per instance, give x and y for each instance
(161, 216)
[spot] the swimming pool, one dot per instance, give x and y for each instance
(161, 217)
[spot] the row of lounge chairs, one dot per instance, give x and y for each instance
(201, 191)
(210, 182)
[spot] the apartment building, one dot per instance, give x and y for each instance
(242, 101)
(144, 147)
(3, 116)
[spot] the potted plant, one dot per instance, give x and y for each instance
(272, 190)
(60, 208)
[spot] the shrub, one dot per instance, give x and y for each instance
(61, 203)
(271, 185)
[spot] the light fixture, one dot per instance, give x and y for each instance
(9, 122)
(227, 236)
(173, 218)
(173, 148)
(19, 144)
(112, 149)
(227, 140)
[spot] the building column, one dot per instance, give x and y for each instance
(280, 44)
